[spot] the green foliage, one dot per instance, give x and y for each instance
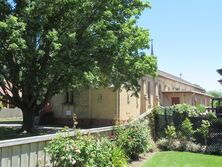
(170, 132)
(159, 110)
(191, 111)
(201, 108)
(181, 108)
(215, 93)
(119, 159)
(56, 45)
(204, 129)
(186, 130)
(85, 151)
(134, 139)
(178, 145)
(64, 151)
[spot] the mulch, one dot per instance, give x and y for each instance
(142, 159)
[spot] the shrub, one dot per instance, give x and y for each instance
(193, 147)
(63, 150)
(85, 151)
(204, 130)
(177, 145)
(186, 130)
(163, 144)
(201, 108)
(185, 108)
(119, 159)
(215, 149)
(134, 139)
(170, 132)
(170, 145)
(211, 116)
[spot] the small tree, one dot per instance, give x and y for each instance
(204, 130)
(48, 46)
(186, 129)
(171, 132)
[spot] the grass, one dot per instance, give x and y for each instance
(12, 120)
(13, 133)
(183, 159)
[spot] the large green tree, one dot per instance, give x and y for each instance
(215, 93)
(47, 46)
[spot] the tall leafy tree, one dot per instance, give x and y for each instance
(215, 93)
(48, 46)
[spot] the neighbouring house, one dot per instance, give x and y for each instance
(103, 106)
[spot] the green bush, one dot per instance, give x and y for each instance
(170, 132)
(186, 131)
(201, 108)
(204, 130)
(119, 159)
(178, 145)
(64, 151)
(85, 151)
(185, 108)
(134, 139)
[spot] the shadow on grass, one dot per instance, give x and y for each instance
(10, 122)
(14, 132)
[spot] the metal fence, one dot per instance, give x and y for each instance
(29, 152)
(163, 120)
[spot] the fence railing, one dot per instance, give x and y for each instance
(29, 152)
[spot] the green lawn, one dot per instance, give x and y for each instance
(183, 159)
(13, 120)
(14, 132)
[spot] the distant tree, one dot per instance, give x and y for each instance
(215, 93)
(48, 46)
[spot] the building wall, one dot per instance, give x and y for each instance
(63, 111)
(104, 106)
(92, 107)
(188, 98)
(130, 105)
(171, 85)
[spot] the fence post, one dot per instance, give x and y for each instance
(165, 117)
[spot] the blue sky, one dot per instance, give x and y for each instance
(187, 38)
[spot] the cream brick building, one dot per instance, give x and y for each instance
(103, 106)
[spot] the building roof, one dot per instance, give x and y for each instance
(194, 92)
(178, 79)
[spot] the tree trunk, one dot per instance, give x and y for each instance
(28, 120)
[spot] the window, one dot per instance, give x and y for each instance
(148, 89)
(69, 97)
(160, 90)
(128, 98)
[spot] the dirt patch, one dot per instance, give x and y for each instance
(142, 159)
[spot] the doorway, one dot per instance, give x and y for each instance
(175, 100)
